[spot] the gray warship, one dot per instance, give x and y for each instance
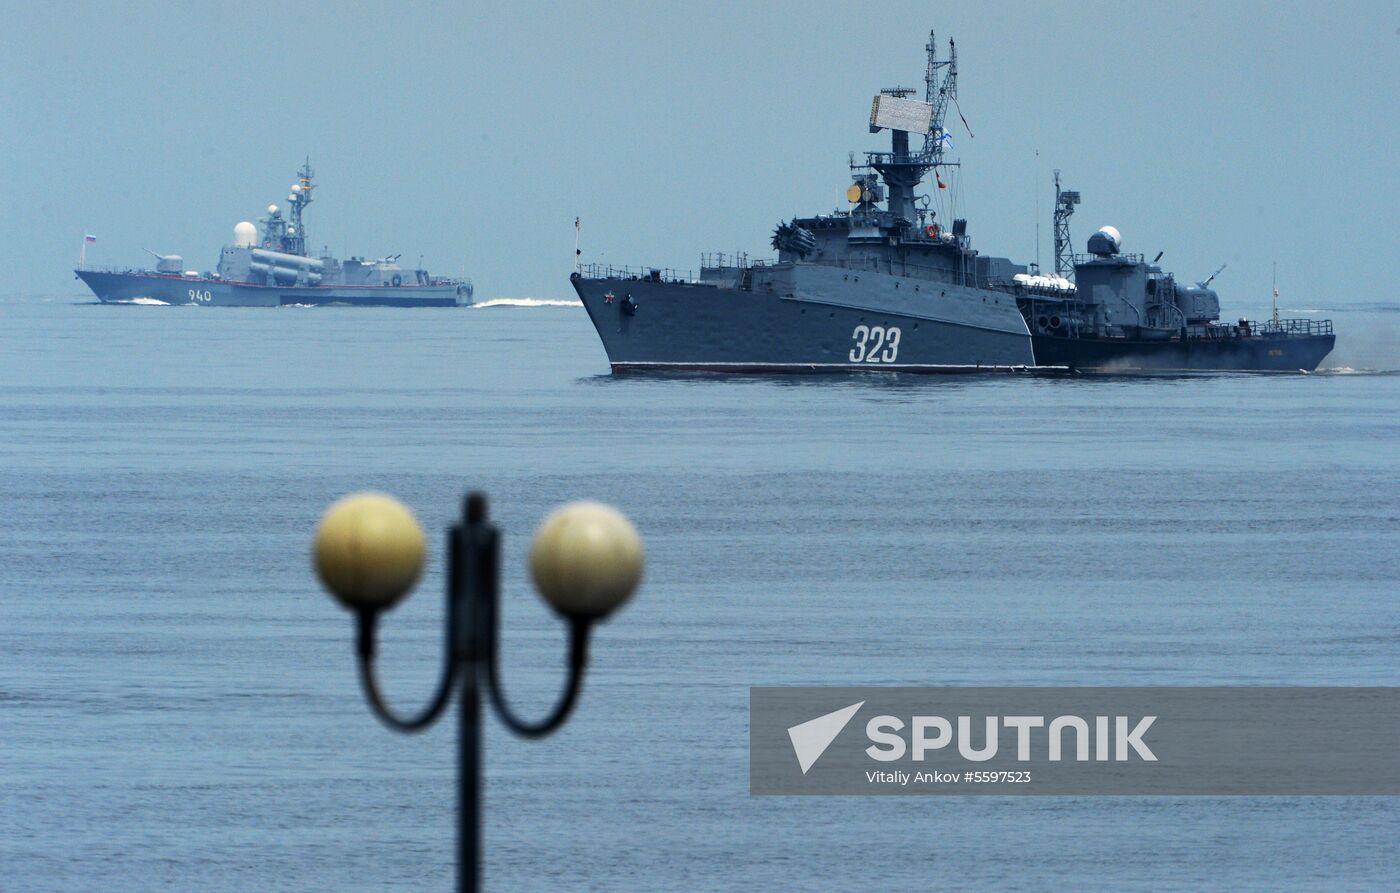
(889, 285)
(274, 269)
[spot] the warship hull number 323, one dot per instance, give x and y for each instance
(889, 285)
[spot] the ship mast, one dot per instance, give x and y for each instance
(1064, 208)
(902, 170)
(1276, 294)
(300, 196)
(939, 95)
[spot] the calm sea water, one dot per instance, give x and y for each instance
(178, 704)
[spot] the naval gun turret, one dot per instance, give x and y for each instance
(168, 263)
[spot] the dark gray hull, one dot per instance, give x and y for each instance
(136, 287)
(817, 318)
(1263, 352)
(805, 318)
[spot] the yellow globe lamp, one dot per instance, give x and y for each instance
(586, 560)
(368, 551)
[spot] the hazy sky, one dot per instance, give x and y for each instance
(472, 134)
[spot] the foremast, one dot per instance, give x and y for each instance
(901, 169)
(299, 197)
(287, 235)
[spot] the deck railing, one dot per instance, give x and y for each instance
(1090, 258)
(652, 274)
(1257, 328)
(1292, 327)
(103, 268)
(738, 260)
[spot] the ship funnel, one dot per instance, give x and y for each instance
(245, 235)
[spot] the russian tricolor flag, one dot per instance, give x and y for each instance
(89, 238)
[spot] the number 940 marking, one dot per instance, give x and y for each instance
(875, 344)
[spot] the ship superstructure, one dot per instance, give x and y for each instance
(889, 283)
(273, 267)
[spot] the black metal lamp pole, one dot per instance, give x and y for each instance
(586, 560)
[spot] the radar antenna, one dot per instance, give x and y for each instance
(901, 169)
(1064, 209)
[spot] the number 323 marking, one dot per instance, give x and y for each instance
(875, 344)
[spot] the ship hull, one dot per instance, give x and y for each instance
(1264, 352)
(137, 287)
(819, 319)
(809, 322)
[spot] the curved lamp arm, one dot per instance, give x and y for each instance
(578, 657)
(370, 686)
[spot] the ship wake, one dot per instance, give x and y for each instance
(1348, 370)
(527, 302)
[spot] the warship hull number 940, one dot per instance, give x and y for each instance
(890, 285)
(274, 269)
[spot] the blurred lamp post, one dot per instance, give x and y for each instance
(586, 559)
